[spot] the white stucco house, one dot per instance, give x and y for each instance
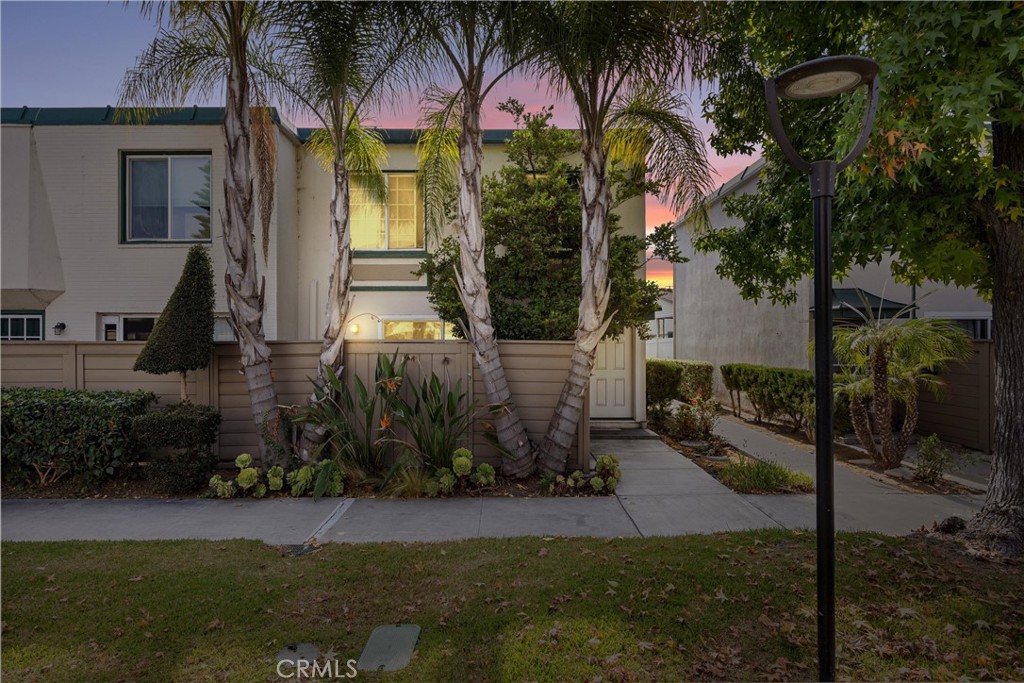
(714, 323)
(97, 217)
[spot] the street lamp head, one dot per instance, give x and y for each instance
(825, 77)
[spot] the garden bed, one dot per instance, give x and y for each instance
(721, 461)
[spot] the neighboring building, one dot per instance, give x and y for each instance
(662, 328)
(97, 217)
(714, 323)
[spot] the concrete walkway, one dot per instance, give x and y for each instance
(862, 503)
(661, 494)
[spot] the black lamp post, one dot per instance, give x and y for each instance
(824, 77)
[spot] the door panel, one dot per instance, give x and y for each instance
(611, 384)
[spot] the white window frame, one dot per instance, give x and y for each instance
(117, 319)
(387, 223)
(24, 317)
(166, 156)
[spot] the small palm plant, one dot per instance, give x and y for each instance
(891, 359)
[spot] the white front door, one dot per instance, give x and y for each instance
(611, 384)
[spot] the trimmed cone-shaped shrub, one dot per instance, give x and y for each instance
(182, 338)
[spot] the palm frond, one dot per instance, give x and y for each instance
(437, 148)
(649, 131)
(365, 156)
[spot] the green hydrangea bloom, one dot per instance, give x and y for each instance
(485, 475)
(275, 478)
(243, 461)
(446, 480)
(597, 483)
(611, 483)
(462, 453)
(260, 490)
(248, 478)
(462, 465)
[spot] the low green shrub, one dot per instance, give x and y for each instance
(695, 419)
(764, 476)
(933, 460)
(460, 477)
(676, 380)
(182, 425)
(663, 380)
(601, 482)
(772, 392)
(50, 432)
(182, 472)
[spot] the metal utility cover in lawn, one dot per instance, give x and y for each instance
(389, 648)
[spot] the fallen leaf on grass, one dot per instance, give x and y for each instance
(136, 579)
(215, 625)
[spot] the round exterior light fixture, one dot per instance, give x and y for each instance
(825, 77)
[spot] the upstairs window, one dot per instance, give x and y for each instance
(167, 198)
(396, 225)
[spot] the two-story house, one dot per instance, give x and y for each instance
(97, 216)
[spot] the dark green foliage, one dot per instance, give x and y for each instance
(359, 422)
(182, 338)
(85, 434)
(436, 420)
(183, 425)
(676, 380)
(663, 380)
(772, 391)
(182, 472)
(531, 217)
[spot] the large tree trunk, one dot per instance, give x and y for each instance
(1000, 524)
(338, 299)
(595, 201)
(244, 287)
(471, 278)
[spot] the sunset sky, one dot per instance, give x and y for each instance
(73, 54)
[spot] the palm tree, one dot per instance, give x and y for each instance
(341, 57)
(618, 61)
(896, 358)
(467, 38)
(201, 47)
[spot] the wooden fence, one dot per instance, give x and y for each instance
(965, 412)
(535, 371)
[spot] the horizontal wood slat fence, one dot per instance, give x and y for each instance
(535, 371)
(965, 412)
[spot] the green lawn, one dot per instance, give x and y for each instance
(733, 606)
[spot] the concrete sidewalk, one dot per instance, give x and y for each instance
(862, 503)
(661, 494)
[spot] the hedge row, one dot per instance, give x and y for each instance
(48, 433)
(676, 380)
(774, 392)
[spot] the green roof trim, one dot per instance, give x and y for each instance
(186, 116)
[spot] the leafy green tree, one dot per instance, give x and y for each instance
(620, 63)
(531, 219)
(893, 358)
(182, 338)
(200, 48)
(940, 187)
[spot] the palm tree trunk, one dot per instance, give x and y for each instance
(862, 426)
(1000, 524)
(244, 289)
(882, 400)
(338, 300)
(595, 200)
(909, 424)
(471, 279)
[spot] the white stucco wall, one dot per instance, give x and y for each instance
(714, 323)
